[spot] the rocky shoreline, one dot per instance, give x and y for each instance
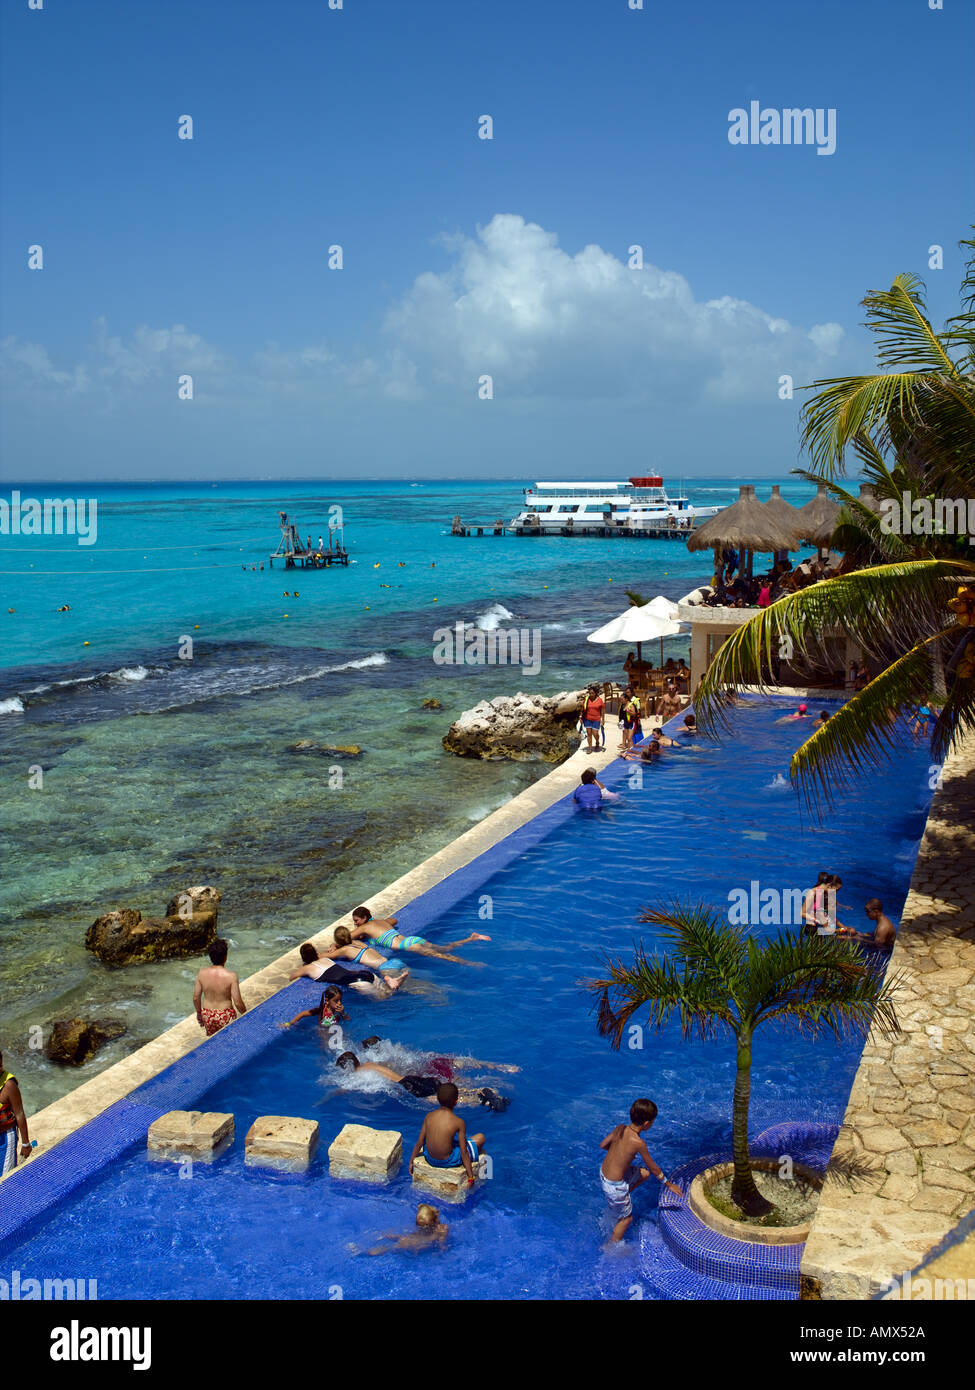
(522, 728)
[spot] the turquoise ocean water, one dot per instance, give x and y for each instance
(160, 772)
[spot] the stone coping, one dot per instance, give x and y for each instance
(912, 1108)
(62, 1117)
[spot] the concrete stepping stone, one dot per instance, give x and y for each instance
(447, 1184)
(283, 1142)
(182, 1134)
(368, 1155)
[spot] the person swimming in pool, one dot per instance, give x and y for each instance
(330, 1011)
(444, 1067)
(801, 713)
(391, 968)
(430, 1232)
(425, 1087)
(328, 972)
(381, 931)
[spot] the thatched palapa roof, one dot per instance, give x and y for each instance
(746, 525)
(785, 513)
(819, 518)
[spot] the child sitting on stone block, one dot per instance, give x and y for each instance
(443, 1137)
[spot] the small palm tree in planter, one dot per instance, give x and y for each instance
(718, 977)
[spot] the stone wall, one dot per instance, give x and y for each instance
(912, 1106)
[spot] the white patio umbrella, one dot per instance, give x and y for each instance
(663, 607)
(637, 625)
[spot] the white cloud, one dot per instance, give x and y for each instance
(542, 322)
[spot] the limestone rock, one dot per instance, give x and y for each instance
(181, 1134)
(524, 728)
(432, 704)
(369, 1155)
(196, 904)
(331, 750)
(281, 1141)
(446, 1184)
(74, 1040)
(126, 937)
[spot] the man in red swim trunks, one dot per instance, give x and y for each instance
(216, 996)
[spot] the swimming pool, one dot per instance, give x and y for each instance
(561, 893)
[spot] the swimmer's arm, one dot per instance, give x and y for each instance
(418, 1146)
(308, 1013)
(612, 1137)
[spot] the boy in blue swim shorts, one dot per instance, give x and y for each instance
(443, 1137)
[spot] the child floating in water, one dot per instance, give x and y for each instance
(621, 1172)
(430, 1232)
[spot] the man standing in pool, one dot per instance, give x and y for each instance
(381, 932)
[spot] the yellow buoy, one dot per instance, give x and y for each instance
(86, 644)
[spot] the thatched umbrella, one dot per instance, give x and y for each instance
(746, 526)
(819, 518)
(868, 498)
(784, 512)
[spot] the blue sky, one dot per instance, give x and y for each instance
(462, 257)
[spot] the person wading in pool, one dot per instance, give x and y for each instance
(216, 996)
(392, 969)
(381, 932)
(424, 1087)
(12, 1118)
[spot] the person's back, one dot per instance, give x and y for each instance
(218, 985)
(442, 1129)
(216, 995)
(588, 794)
(624, 1146)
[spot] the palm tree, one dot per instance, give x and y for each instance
(721, 979)
(903, 599)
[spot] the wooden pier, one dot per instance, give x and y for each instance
(299, 555)
(671, 531)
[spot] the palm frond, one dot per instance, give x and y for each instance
(906, 339)
(862, 735)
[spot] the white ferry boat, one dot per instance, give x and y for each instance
(638, 505)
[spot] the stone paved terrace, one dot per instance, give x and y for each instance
(912, 1108)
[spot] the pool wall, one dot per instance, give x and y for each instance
(911, 1111)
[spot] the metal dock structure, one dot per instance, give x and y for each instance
(297, 554)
